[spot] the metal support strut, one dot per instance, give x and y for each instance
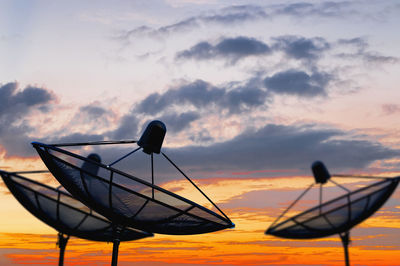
(123, 157)
(291, 205)
(346, 241)
(62, 244)
(177, 168)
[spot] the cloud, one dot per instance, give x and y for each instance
(202, 50)
(13, 103)
(179, 26)
(15, 141)
(178, 122)
(369, 57)
(181, 105)
(91, 117)
(200, 94)
(360, 43)
(283, 147)
(274, 146)
(377, 58)
(236, 13)
(15, 107)
(296, 82)
(301, 48)
(127, 128)
(185, 103)
(233, 48)
(244, 13)
(304, 10)
(225, 16)
(93, 110)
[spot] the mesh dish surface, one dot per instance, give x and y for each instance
(64, 213)
(338, 215)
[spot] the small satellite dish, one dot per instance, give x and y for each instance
(64, 213)
(129, 200)
(335, 216)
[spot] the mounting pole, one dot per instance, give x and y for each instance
(345, 241)
(116, 241)
(62, 244)
(152, 175)
(114, 260)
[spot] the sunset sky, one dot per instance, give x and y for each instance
(251, 92)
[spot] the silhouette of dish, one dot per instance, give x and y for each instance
(338, 215)
(64, 213)
(126, 199)
(335, 216)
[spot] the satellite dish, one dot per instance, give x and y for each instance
(335, 216)
(64, 213)
(129, 200)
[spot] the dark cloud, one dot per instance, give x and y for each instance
(233, 48)
(270, 147)
(241, 46)
(202, 50)
(298, 83)
(16, 132)
(198, 95)
(127, 129)
(201, 94)
(295, 47)
(203, 98)
(244, 98)
(284, 147)
(301, 48)
(13, 102)
(15, 105)
(178, 122)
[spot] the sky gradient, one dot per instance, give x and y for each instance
(251, 93)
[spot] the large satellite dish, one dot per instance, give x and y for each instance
(64, 213)
(336, 216)
(126, 199)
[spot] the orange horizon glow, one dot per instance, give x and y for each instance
(246, 244)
